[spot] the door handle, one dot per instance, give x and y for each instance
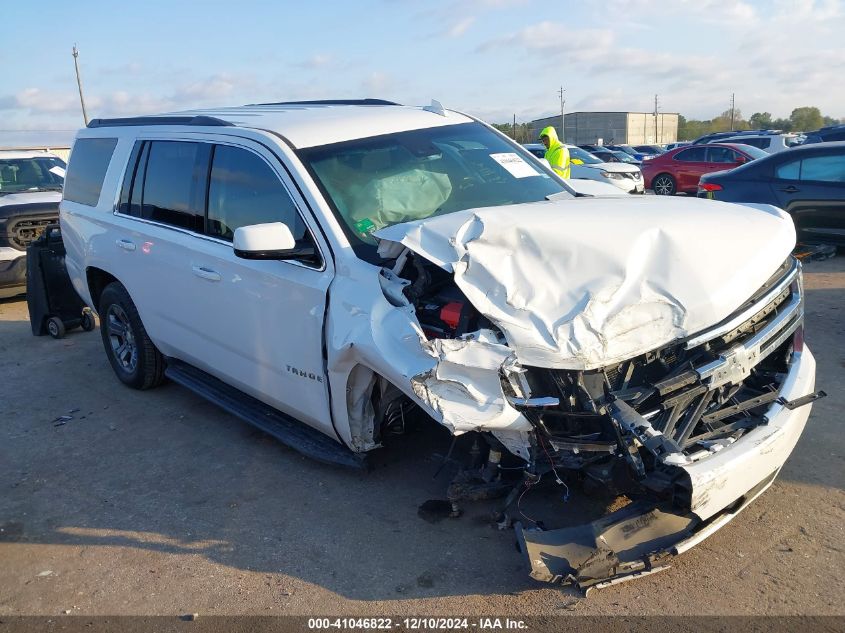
(206, 273)
(126, 245)
(790, 189)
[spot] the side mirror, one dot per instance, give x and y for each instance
(273, 240)
(741, 160)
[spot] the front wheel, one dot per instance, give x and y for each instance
(134, 358)
(664, 185)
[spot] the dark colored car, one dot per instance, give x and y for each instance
(649, 150)
(30, 190)
(808, 182)
(679, 170)
(628, 150)
(828, 134)
(715, 137)
(612, 156)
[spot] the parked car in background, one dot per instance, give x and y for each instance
(679, 171)
(807, 182)
(769, 143)
(30, 191)
(672, 146)
(829, 134)
(586, 166)
(718, 137)
(628, 150)
(611, 156)
(649, 151)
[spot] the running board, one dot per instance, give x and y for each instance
(286, 429)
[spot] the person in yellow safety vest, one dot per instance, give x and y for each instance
(556, 152)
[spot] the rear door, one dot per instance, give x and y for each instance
(689, 164)
(812, 190)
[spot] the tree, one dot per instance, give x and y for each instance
(782, 124)
(761, 120)
(806, 119)
(829, 120)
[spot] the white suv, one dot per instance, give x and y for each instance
(324, 270)
(771, 143)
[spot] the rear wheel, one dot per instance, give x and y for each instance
(664, 185)
(132, 355)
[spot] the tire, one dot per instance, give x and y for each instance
(133, 357)
(56, 327)
(664, 185)
(88, 322)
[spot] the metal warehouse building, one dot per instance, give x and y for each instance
(634, 128)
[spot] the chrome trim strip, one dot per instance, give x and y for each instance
(745, 315)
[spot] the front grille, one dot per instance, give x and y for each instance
(25, 231)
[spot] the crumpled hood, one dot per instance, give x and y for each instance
(589, 282)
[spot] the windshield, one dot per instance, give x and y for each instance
(45, 173)
(582, 155)
(376, 182)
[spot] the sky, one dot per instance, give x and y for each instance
(490, 58)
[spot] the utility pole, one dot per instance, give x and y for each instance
(561, 93)
(733, 106)
(79, 83)
(655, 120)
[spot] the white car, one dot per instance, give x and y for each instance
(771, 143)
(30, 190)
(327, 270)
(585, 166)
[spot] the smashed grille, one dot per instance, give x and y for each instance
(24, 232)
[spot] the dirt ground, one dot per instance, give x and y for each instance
(159, 503)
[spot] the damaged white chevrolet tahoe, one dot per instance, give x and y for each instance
(321, 269)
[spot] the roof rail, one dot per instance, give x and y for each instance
(197, 120)
(330, 102)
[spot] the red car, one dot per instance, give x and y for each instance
(680, 169)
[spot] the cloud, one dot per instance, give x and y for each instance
(376, 84)
(553, 40)
(315, 62)
(459, 28)
(36, 100)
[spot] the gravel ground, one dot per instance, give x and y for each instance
(160, 503)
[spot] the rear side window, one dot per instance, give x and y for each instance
(244, 190)
(171, 192)
(829, 168)
(692, 155)
(789, 171)
(89, 161)
(762, 143)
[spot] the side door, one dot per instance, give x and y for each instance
(721, 158)
(689, 165)
(812, 190)
(259, 323)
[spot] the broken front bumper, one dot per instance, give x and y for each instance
(641, 537)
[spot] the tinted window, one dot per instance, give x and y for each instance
(171, 192)
(721, 155)
(693, 154)
(244, 190)
(761, 143)
(824, 168)
(789, 171)
(89, 161)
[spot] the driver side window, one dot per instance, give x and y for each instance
(244, 190)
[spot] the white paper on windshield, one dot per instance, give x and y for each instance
(59, 171)
(517, 167)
